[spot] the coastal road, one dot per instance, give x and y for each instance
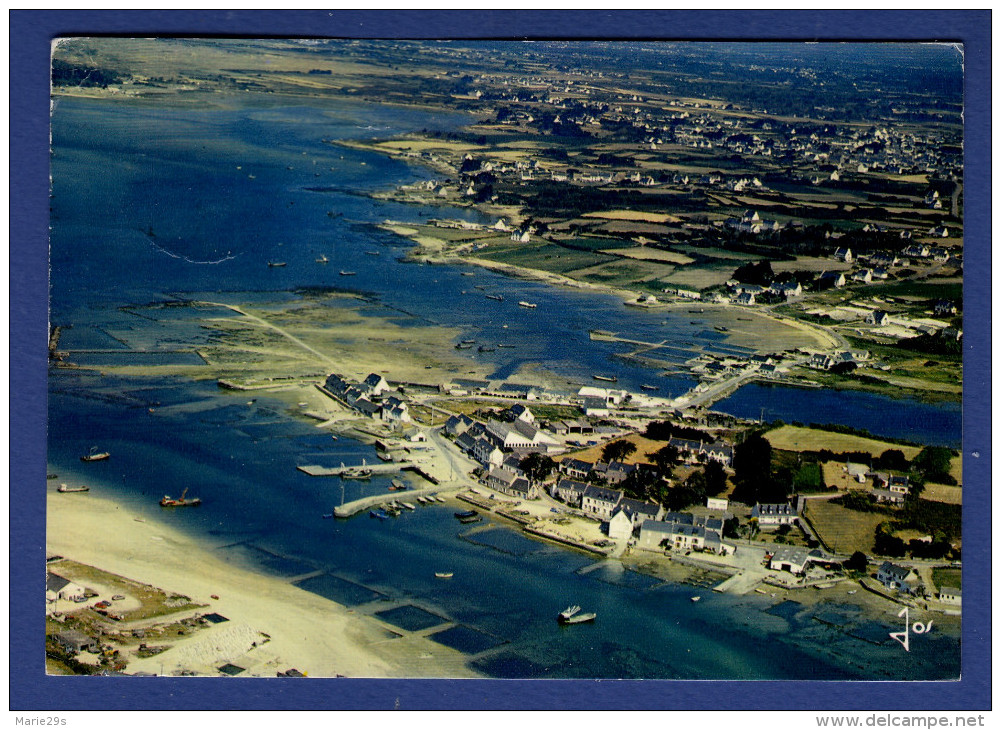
(267, 325)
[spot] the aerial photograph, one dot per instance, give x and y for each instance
(505, 359)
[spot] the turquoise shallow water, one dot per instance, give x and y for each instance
(122, 169)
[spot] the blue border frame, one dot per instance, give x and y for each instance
(30, 689)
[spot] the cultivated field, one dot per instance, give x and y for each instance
(843, 530)
(943, 493)
(651, 254)
(797, 438)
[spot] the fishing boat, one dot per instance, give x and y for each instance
(322, 260)
(495, 297)
(527, 305)
(408, 505)
(650, 387)
(277, 264)
(572, 615)
(180, 501)
(95, 455)
(606, 378)
(64, 488)
(378, 514)
(466, 515)
(443, 575)
(348, 273)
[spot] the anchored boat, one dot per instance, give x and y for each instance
(443, 575)
(95, 455)
(527, 305)
(64, 488)
(606, 378)
(180, 501)
(572, 615)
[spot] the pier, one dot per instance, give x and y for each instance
(315, 470)
(377, 500)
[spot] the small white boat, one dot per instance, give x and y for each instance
(408, 505)
(696, 599)
(95, 455)
(527, 305)
(64, 488)
(572, 615)
(443, 575)
(322, 260)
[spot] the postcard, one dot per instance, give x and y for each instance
(458, 359)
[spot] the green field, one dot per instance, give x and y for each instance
(545, 257)
(841, 529)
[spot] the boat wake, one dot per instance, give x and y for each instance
(161, 249)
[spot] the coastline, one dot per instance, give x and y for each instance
(312, 634)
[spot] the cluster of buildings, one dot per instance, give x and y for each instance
(653, 528)
(885, 488)
(368, 398)
(901, 579)
(499, 446)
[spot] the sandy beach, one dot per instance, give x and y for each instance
(307, 632)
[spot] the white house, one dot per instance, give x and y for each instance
(620, 527)
(793, 559)
(600, 502)
(57, 587)
(774, 515)
(952, 596)
(897, 578)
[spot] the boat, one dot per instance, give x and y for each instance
(180, 501)
(696, 599)
(495, 297)
(378, 514)
(399, 485)
(572, 615)
(373, 253)
(436, 497)
(322, 260)
(470, 520)
(357, 474)
(650, 387)
(527, 305)
(408, 505)
(509, 347)
(468, 342)
(606, 378)
(462, 346)
(348, 273)
(696, 311)
(852, 593)
(64, 488)
(277, 264)
(467, 514)
(95, 455)
(468, 273)
(443, 575)
(721, 329)
(328, 517)
(484, 348)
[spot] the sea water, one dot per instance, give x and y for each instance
(155, 203)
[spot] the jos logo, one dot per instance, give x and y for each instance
(904, 637)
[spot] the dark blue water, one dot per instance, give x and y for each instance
(123, 169)
(939, 424)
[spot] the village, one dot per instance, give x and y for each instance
(585, 478)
